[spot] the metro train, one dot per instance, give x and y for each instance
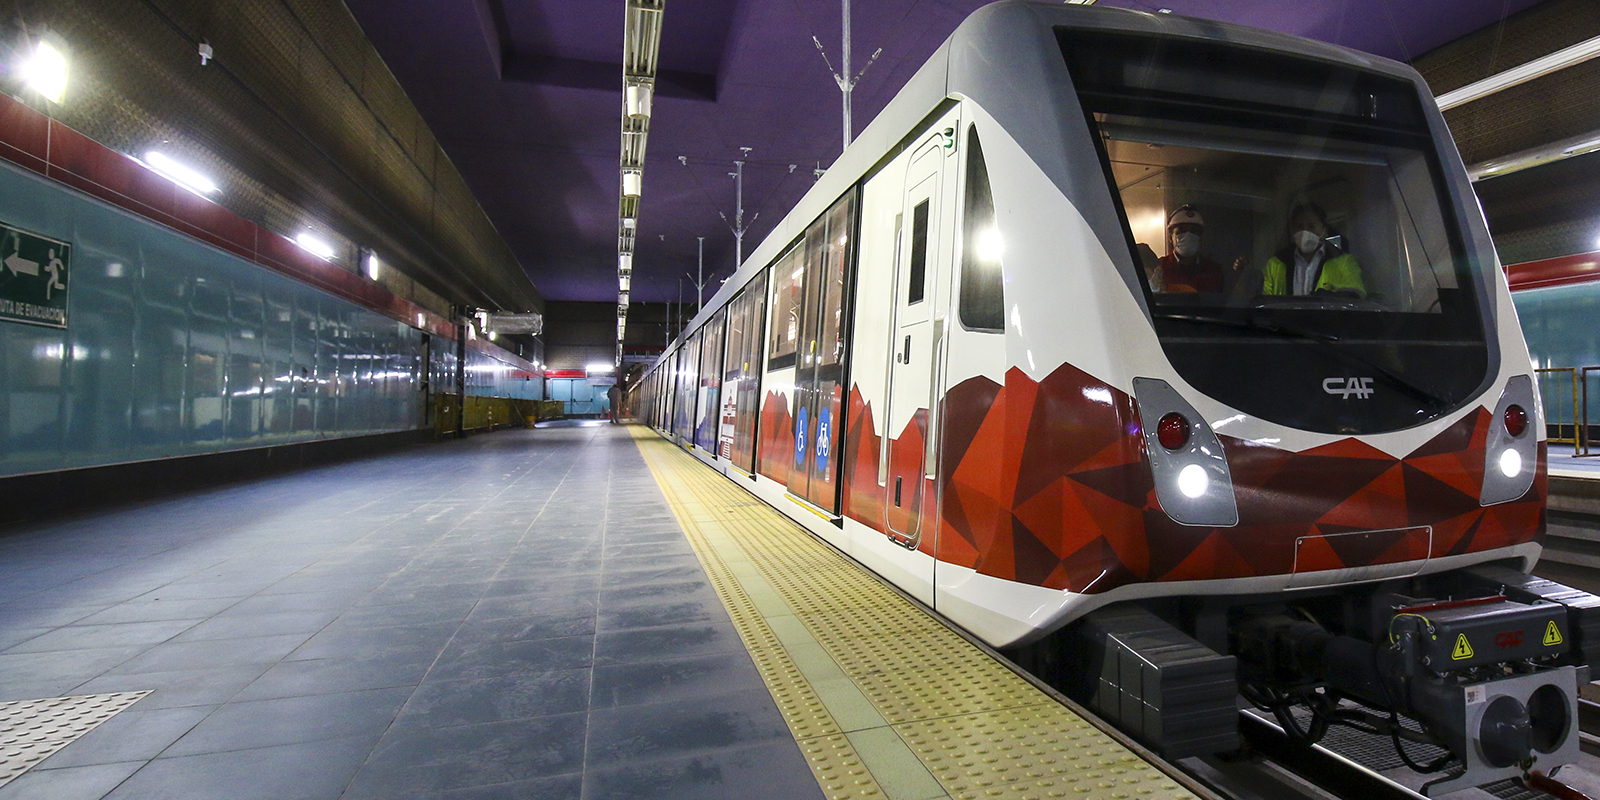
(1301, 464)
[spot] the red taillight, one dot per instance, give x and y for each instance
(1516, 420)
(1172, 431)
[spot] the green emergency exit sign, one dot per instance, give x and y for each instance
(33, 278)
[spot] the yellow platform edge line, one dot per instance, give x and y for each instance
(980, 729)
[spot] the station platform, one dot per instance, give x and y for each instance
(1562, 464)
(568, 612)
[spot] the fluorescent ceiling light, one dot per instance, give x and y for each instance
(46, 72)
(598, 367)
(179, 173)
(314, 246)
(372, 265)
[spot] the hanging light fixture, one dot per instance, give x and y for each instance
(639, 95)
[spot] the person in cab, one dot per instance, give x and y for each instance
(1183, 268)
(1311, 264)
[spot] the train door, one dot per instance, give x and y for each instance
(710, 410)
(915, 337)
(822, 357)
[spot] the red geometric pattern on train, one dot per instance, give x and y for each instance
(868, 502)
(775, 454)
(863, 497)
(1046, 483)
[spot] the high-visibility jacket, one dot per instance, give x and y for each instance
(1338, 272)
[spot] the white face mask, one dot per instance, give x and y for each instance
(1186, 244)
(1307, 242)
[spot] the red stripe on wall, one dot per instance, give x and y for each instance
(1563, 271)
(44, 146)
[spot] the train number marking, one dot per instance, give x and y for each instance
(1509, 639)
(1463, 649)
(1344, 387)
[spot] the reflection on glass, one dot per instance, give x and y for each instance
(1254, 217)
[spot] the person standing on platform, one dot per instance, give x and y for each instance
(614, 398)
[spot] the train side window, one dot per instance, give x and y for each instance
(917, 282)
(788, 281)
(982, 299)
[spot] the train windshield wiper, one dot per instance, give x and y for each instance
(1326, 340)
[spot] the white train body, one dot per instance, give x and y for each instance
(1010, 405)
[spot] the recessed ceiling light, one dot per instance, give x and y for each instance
(46, 72)
(179, 173)
(314, 246)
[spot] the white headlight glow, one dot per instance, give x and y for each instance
(1511, 463)
(1193, 481)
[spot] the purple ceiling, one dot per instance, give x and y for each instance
(525, 97)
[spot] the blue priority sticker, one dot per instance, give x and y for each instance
(824, 439)
(802, 426)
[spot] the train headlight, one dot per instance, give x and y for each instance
(1510, 463)
(1511, 451)
(1192, 481)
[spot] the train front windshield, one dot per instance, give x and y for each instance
(1289, 223)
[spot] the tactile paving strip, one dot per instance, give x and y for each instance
(1038, 751)
(981, 730)
(32, 730)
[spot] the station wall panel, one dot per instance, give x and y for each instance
(1559, 324)
(176, 348)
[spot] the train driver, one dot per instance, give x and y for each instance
(1183, 268)
(1311, 263)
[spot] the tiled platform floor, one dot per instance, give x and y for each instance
(516, 615)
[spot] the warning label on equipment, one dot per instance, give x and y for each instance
(1552, 634)
(1463, 649)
